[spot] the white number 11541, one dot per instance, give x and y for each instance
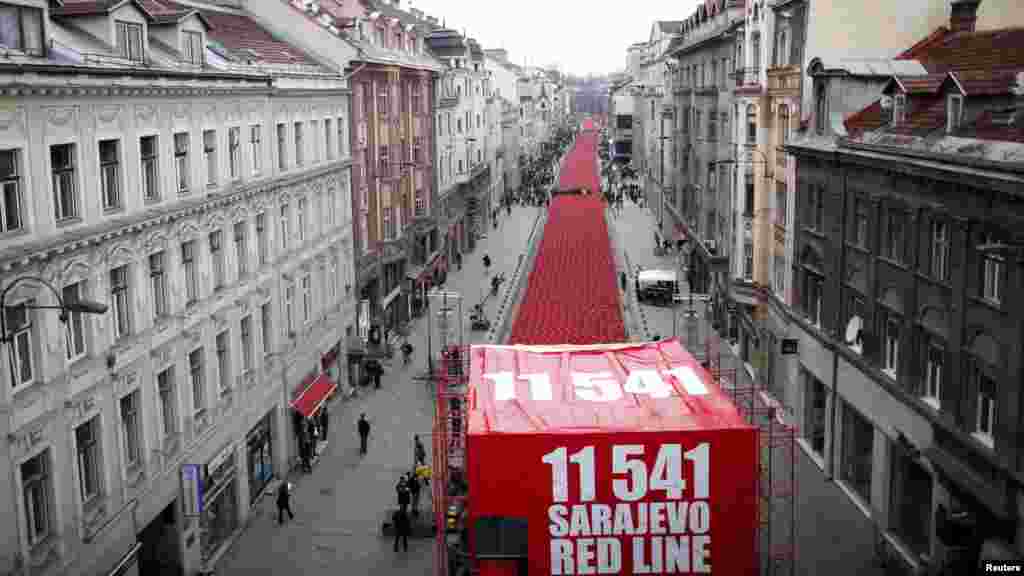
(601, 386)
(627, 460)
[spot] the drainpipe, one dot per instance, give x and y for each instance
(838, 336)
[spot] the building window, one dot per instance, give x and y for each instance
(282, 154)
(241, 249)
(328, 136)
(37, 490)
(780, 276)
(255, 149)
(985, 421)
(812, 297)
(148, 154)
(65, 196)
(168, 402)
(130, 429)
(712, 126)
(389, 227)
(195, 52)
(285, 228)
(19, 330)
(899, 108)
(307, 299)
(820, 109)
(748, 204)
(940, 251)
(195, 372)
(417, 150)
(816, 207)
(314, 138)
(991, 272)
(417, 106)
(10, 179)
(76, 346)
(911, 502)
(245, 330)
(235, 152)
(934, 367)
(782, 47)
(210, 156)
(188, 266)
(217, 259)
(854, 317)
(954, 112)
(891, 337)
(341, 137)
(382, 161)
(181, 167)
(301, 218)
(158, 284)
(894, 235)
(121, 300)
(748, 261)
(87, 447)
(815, 402)
(267, 328)
(289, 303)
(859, 230)
(751, 126)
(129, 41)
(382, 102)
(222, 343)
(784, 127)
(262, 246)
(110, 174)
(21, 28)
(780, 203)
(858, 449)
(420, 202)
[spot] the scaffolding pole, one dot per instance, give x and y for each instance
(449, 474)
(777, 486)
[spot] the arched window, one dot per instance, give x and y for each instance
(820, 109)
(751, 124)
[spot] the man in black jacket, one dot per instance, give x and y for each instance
(364, 433)
(284, 502)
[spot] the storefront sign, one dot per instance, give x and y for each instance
(192, 489)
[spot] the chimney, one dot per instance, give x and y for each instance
(963, 15)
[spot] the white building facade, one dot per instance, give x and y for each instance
(207, 204)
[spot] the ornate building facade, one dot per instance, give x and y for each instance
(198, 185)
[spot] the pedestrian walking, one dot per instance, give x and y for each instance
(419, 452)
(402, 529)
(404, 494)
(414, 494)
(324, 421)
(284, 503)
(306, 453)
(364, 433)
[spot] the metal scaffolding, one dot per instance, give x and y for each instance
(777, 489)
(449, 471)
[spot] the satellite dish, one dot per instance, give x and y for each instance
(853, 330)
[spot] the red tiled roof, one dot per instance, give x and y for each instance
(867, 119)
(928, 84)
(990, 49)
(985, 82)
(87, 7)
(924, 44)
(240, 34)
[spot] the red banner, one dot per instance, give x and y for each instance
(621, 459)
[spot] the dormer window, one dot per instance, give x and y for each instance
(129, 41)
(21, 28)
(194, 50)
(899, 108)
(820, 109)
(954, 112)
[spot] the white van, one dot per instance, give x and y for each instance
(658, 286)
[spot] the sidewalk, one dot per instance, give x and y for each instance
(340, 506)
(833, 536)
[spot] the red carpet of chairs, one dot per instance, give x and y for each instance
(579, 168)
(572, 296)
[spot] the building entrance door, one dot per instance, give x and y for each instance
(160, 554)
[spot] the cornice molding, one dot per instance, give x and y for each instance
(138, 223)
(20, 90)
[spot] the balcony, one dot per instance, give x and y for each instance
(784, 80)
(747, 78)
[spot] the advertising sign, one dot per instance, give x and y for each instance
(628, 460)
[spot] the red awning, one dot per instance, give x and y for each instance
(309, 402)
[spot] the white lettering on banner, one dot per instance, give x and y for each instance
(666, 536)
(601, 386)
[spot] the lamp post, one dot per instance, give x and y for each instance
(79, 306)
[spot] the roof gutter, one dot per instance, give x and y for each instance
(62, 69)
(978, 163)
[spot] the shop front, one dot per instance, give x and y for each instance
(310, 416)
(260, 456)
(219, 518)
(329, 363)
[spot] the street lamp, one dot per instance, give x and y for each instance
(78, 306)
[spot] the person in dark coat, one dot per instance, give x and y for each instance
(414, 494)
(403, 527)
(324, 421)
(419, 451)
(306, 453)
(284, 503)
(364, 433)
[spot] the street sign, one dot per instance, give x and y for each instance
(789, 346)
(192, 489)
